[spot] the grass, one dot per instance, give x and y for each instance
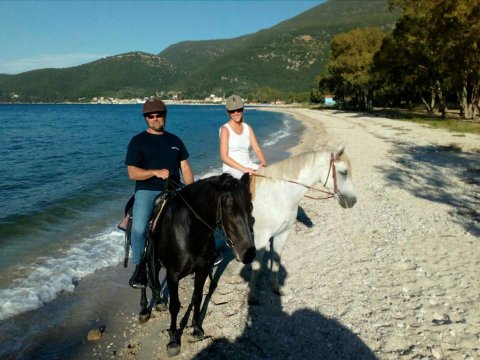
(452, 123)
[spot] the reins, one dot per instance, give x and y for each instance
(219, 220)
(331, 168)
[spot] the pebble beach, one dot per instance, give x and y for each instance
(395, 277)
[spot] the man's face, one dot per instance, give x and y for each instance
(156, 121)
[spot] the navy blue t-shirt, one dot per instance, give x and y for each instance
(150, 151)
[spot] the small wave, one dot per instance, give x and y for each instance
(53, 276)
(283, 132)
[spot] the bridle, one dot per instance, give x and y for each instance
(218, 222)
(331, 169)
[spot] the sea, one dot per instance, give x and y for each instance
(63, 186)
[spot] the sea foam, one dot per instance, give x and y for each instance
(53, 275)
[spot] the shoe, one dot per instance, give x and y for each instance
(123, 225)
(218, 258)
(139, 278)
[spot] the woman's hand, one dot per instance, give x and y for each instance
(249, 171)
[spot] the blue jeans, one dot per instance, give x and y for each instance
(142, 210)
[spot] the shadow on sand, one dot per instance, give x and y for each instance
(272, 333)
(421, 171)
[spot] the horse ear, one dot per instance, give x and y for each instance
(221, 182)
(339, 152)
(245, 179)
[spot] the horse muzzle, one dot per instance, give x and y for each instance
(249, 255)
(346, 202)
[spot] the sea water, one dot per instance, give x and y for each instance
(63, 185)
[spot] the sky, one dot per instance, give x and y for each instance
(56, 34)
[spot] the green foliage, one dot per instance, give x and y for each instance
(317, 96)
(350, 67)
(433, 53)
(286, 57)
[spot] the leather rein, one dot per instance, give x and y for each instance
(219, 221)
(331, 169)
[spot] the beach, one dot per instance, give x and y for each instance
(394, 277)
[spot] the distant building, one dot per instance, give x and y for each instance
(329, 100)
(214, 99)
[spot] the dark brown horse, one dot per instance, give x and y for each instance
(182, 241)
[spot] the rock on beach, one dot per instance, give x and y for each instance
(394, 277)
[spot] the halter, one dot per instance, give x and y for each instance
(219, 220)
(331, 169)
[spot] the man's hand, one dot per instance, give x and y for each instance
(162, 173)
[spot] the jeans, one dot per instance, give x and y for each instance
(142, 210)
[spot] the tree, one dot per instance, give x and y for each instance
(350, 66)
(442, 37)
(405, 67)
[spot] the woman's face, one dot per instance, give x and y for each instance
(236, 115)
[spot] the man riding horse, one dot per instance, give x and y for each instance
(153, 156)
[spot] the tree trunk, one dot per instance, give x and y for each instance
(463, 100)
(427, 105)
(474, 100)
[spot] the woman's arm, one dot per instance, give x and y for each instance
(257, 149)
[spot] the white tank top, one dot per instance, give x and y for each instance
(239, 150)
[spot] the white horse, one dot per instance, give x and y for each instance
(277, 191)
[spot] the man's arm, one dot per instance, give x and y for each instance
(186, 172)
(136, 173)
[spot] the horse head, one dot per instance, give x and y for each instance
(341, 181)
(235, 215)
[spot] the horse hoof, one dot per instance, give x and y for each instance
(143, 318)
(199, 335)
(161, 307)
(173, 349)
(279, 292)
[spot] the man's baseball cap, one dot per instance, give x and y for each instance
(154, 105)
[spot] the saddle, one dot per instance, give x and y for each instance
(126, 224)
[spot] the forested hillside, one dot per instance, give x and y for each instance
(284, 59)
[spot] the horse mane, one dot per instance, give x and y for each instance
(289, 168)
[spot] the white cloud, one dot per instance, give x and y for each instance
(15, 66)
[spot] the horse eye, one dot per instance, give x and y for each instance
(342, 172)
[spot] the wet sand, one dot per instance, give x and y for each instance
(394, 277)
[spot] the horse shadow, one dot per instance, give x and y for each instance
(272, 333)
(421, 171)
(303, 218)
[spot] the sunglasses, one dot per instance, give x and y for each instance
(234, 111)
(153, 116)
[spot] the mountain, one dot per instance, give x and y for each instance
(286, 57)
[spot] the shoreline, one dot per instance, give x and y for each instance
(122, 318)
(396, 276)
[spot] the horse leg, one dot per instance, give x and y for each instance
(200, 278)
(278, 242)
(154, 282)
(256, 267)
(144, 315)
(173, 346)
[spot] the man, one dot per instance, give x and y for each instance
(153, 156)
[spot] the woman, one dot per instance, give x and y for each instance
(236, 139)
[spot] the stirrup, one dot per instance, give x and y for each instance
(139, 278)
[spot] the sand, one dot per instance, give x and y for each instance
(394, 277)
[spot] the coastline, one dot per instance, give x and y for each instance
(396, 276)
